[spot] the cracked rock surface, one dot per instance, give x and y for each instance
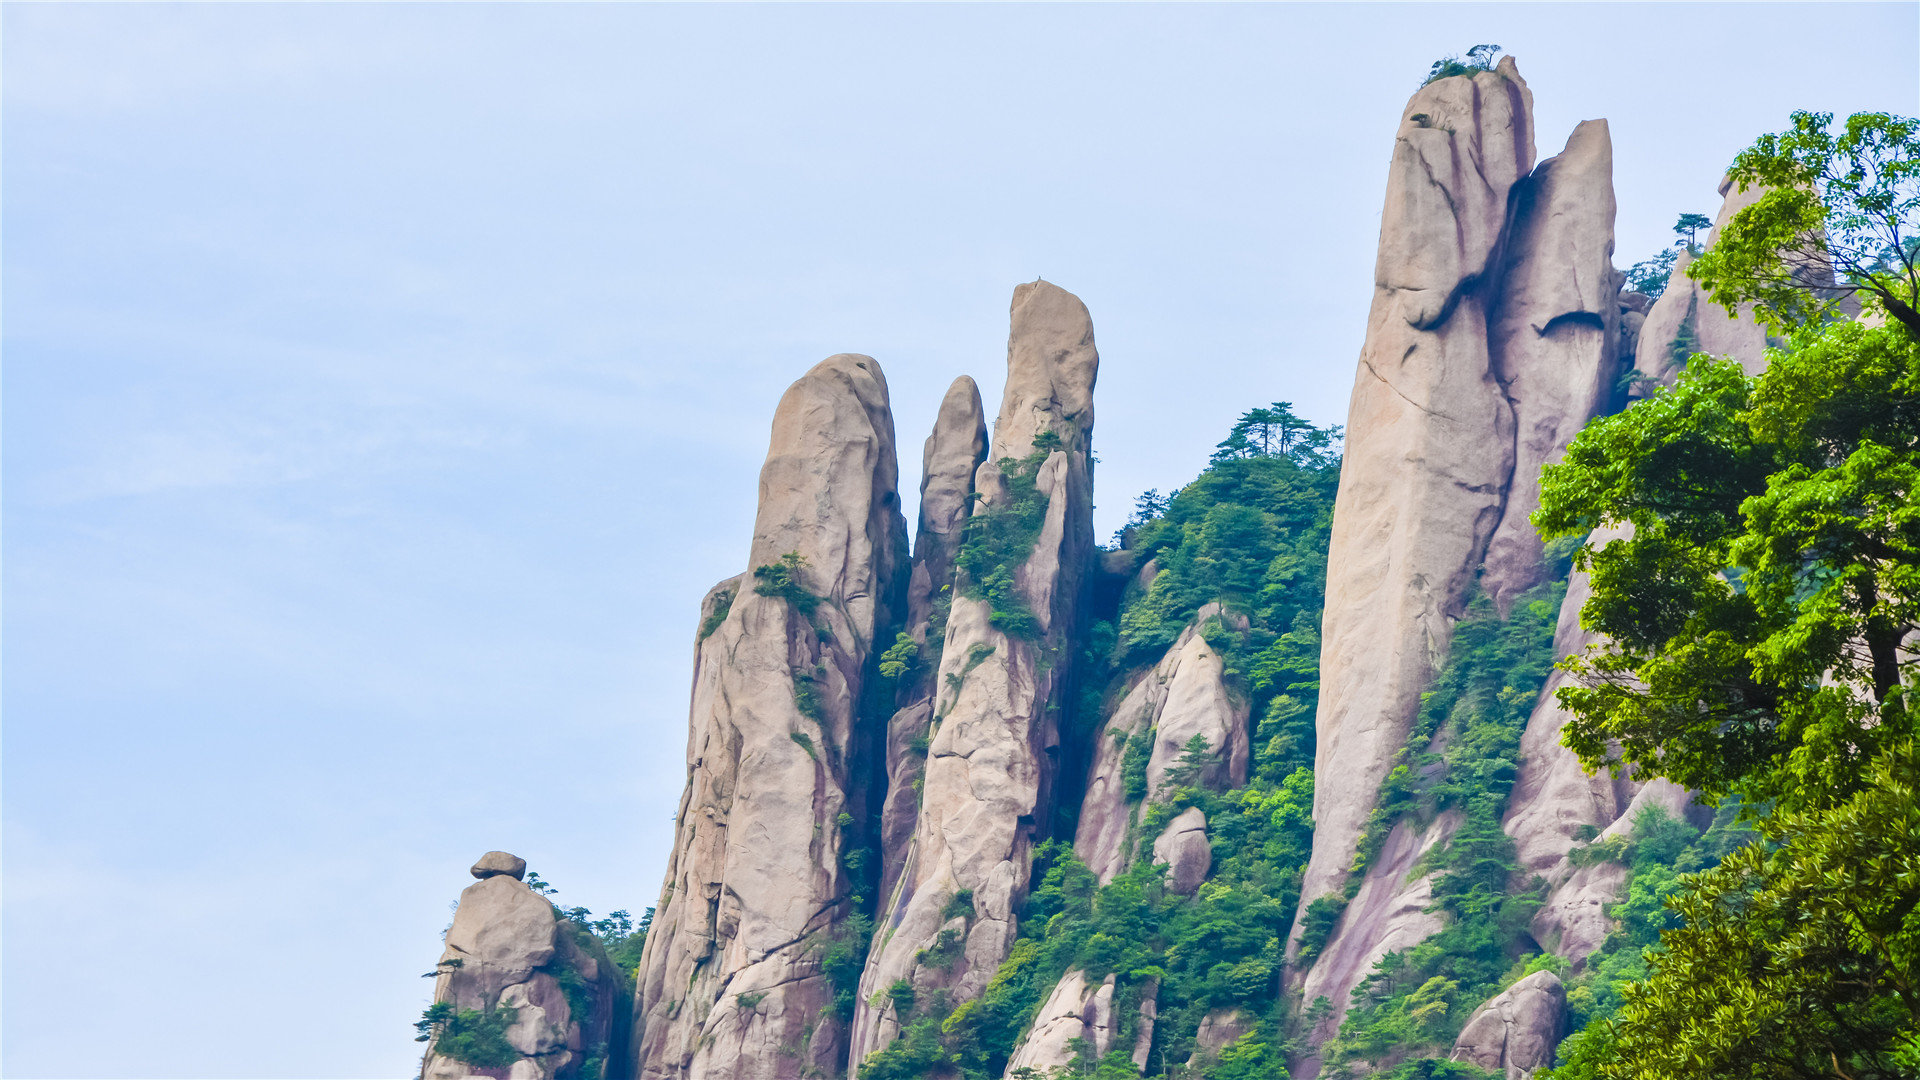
(730, 983)
(1430, 444)
(1517, 1029)
(508, 948)
(987, 789)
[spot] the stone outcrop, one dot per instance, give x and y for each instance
(509, 949)
(1684, 311)
(986, 795)
(1186, 852)
(1075, 1010)
(1182, 696)
(1555, 803)
(730, 983)
(1552, 336)
(954, 452)
(1218, 1030)
(1389, 913)
(1517, 1029)
(1429, 452)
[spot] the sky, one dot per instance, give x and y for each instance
(384, 385)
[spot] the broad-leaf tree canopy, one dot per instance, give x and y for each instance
(1759, 589)
(1839, 216)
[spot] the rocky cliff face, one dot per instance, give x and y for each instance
(1429, 442)
(1182, 696)
(953, 454)
(985, 796)
(1436, 491)
(527, 993)
(878, 736)
(730, 983)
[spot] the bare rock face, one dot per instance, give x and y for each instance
(1556, 802)
(1430, 440)
(1075, 1010)
(1517, 1029)
(1182, 696)
(1685, 308)
(1552, 336)
(953, 454)
(509, 949)
(1389, 913)
(1184, 849)
(987, 789)
(1218, 1030)
(730, 982)
(499, 862)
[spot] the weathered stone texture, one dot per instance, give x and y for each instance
(1429, 450)
(987, 789)
(755, 882)
(508, 949)
(953, 453)
(1075, 1009)
(1517, 1029)
(1552, 336)
(1183, 695)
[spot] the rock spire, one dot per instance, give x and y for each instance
(1429, 450)
(730, 983)
(521, 989)
(986, 796)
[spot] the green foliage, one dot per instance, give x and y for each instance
(1649, 276)
(1754, 616)
(472, 1036)
(1798, 957)
(806, 743)
(843, 955)
(959, 905)
(722, 607)
(786, 580)
(902, 657)
(1133, 765)
(1840, 208)
(1479, 58)
(1688, 225)
(1252, 533)
(1418, 999)
(998, 541)
(1266, 432)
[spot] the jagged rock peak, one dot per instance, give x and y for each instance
(1553, 335)
(987, 789)
(1052, 366)
(730, 983)
(1430, 443)
(829, 487)
(509, 949)
(953, 453)
(954, 450)
(1462, 143)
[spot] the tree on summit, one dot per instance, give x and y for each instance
(1275, 430)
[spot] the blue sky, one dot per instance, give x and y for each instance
(385, 384)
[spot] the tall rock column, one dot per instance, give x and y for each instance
(730, 984)
(1553, 335)
(953, 454)
(1429, 451)
(1004, 666)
